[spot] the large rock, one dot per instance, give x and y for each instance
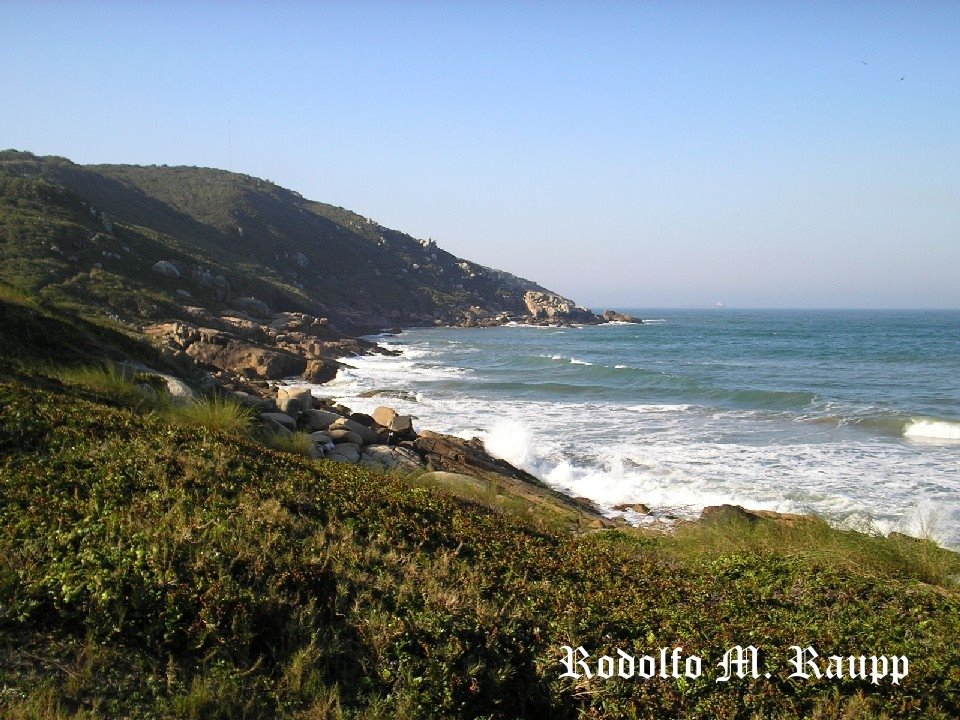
(281, 419)
(166, 269)
(467, 457)
(342, 435)
(247, 359)
(320, 419)
(369, 435)
(321, 370)
(384, 415)
(300, 394)
(223, 350)
(345, 452)
(549, 306)
(402, 425)
(614, 316)
(252, 306)
(390, 459)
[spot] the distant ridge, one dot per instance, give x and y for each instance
(95, 234)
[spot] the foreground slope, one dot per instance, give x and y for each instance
(150, 569)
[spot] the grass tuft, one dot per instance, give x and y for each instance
(217, 414)
(108, 380)
(298, 443)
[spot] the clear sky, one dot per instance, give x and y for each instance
(642, 154)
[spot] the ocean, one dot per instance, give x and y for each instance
(853, 415)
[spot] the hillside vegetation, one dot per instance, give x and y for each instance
(154, 565)
(91, 235)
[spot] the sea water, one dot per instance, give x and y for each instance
(854, 415)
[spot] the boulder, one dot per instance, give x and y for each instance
(321, 438)
(290, 406)
(549, 306)
(466, 457)
(614, 316)
(402, 425)
(270, 427)
(256, 402)
(281, 419)
(342, 435)
(246, 359)
(384, 415)
(320, 371)
(166, 269)
(252, 306)
(345, 452)
(300, 394)
(369, 435)
(320, 419)
(363, 419)
(638, 508)
(387, 458)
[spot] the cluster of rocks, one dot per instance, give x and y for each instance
(383, 441)
(542, 308)
(240, 348)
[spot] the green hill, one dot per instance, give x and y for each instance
(93, 234)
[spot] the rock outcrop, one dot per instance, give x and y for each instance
(614, 316)
(550, 307)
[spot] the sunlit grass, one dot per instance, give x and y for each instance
(216, 413)
(298, 443)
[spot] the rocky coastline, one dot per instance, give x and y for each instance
(254, 358)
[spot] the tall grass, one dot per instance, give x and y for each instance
(215, 413)
(298, 443)
(111, 381)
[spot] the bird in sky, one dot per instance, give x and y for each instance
(902, 77)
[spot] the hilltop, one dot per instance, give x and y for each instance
(144, 242)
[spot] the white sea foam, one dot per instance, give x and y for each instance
(932, 430)
(574, 361)
(675, 456)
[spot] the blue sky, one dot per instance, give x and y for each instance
(626, 154)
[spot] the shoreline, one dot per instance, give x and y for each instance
(638, 510)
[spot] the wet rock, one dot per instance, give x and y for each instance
(466, 457)
(321, 370)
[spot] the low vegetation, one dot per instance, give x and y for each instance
(158, 567)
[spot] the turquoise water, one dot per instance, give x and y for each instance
(852, 414)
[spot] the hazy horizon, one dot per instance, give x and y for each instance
(658, 155)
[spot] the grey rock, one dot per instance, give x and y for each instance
(389, 459)
(272, 427)
(369, 435)
(320, 419)
(167, 269)
(290, 406)
(345, 452)
(281, 419)
(301, 394)
(341, 435)
(321, 438)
